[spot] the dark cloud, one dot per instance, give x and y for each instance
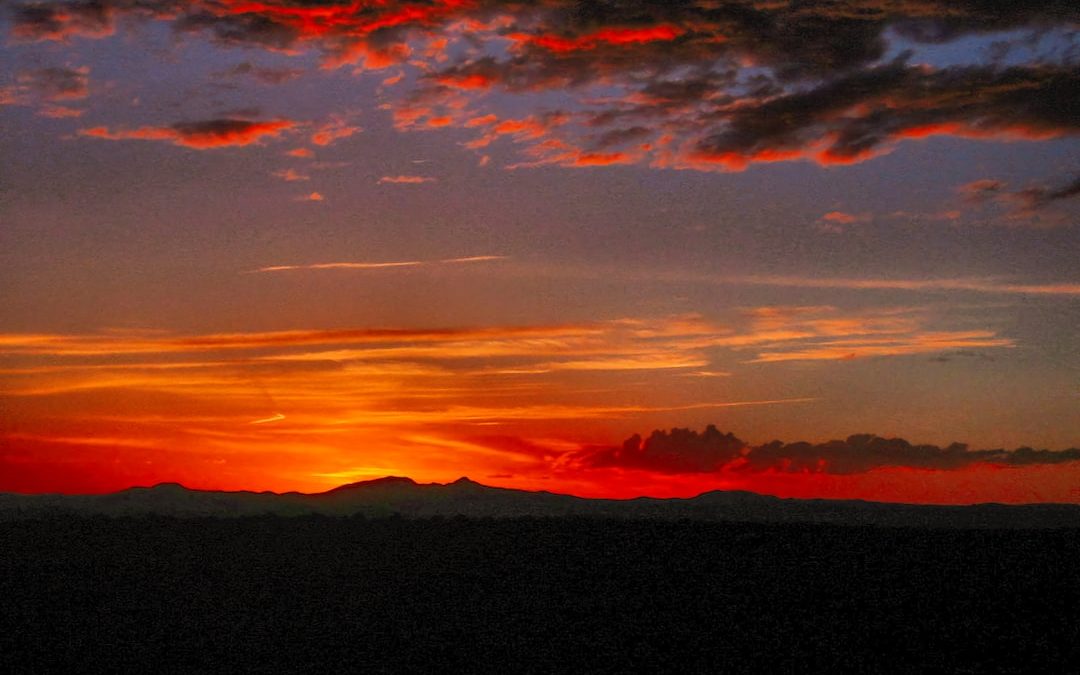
(61, 20)
(246, 29)
(794, 38)
(860, 114)
(200, 135)
(681, 451)
(675, 451)
(697, 83)
(1037, 196)
(55, 84)
(961, 354)
(47, 86)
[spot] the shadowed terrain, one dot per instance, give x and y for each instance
(392, 576)
(463, 497)
(531, 594)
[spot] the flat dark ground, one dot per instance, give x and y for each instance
(274, 594)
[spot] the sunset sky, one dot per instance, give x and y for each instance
(291, 244)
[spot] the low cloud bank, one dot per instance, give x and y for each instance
(681, 451)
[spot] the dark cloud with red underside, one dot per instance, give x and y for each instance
(200, 135)
(896, 102)
(705, 85)
(684, 451)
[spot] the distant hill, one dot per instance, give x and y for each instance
(404, 497)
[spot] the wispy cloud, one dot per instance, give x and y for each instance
(917, 343)
(379, 265)
(340, 266)
(406, 180)
(474, 258)
(308, 399)
(975, 285)
(290, 175)
(989, 285)
(679, 342)
(277, 417)
(1037, 205)
(336, 129)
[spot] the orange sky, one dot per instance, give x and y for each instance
(283, 245)
(512, 406)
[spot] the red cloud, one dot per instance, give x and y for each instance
(333, 131)
(844, 218)
(602, 158)
(675, 71)
(611, 36)
(481, 121)
(202, 135)
(474, 81)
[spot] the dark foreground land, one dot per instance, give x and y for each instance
(517, 595)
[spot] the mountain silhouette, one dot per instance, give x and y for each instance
(402, 496)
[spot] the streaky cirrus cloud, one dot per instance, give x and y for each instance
(921, 343)
(685, 451)
(774, 332)
(406, 180)
(117, 343)
(974, 285)
(378, 265)
(988, 285)
(822, 333)
(199, 135)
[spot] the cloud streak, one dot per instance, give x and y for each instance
(990, 286)
(379, 265)
(406, 180)
(776, 333)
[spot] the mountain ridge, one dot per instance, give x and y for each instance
(403, 496)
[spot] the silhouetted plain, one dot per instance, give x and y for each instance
(531, 595)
